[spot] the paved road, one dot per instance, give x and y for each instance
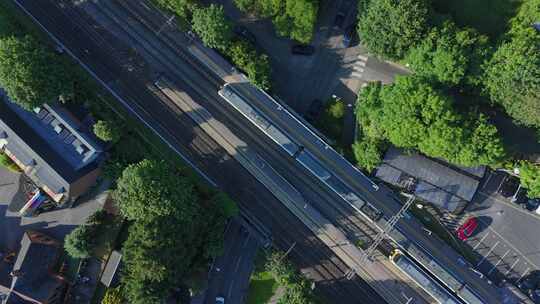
(333, 69)
(229, 276)
(94, 48)
(507, 239)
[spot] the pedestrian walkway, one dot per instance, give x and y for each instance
(359, 66)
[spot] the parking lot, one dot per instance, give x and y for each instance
(507, 239)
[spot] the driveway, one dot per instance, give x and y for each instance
(333, 69)
(507, 238)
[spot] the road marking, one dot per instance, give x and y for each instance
(513, 247)
(230, 289)
(487, 255)
(363, 58)
(498, 262)
(480, 242)
(511, 267)
(356, 74)
(361, 63)
(523, 274)
(237, 264)
(358, 68)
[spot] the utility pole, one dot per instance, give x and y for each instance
(368, 253)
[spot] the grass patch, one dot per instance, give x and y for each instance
(331, 123)
(262, 285)
(7, 163)
(487, 16)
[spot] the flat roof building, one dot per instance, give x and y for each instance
(52, 148)
(444, 185)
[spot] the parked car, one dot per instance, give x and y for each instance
(220, 300)
(314, 110)
(243, 32)
(532, 204)
(509, 186)
(529, 282)
(300, 49)
(338, 21)
(467, 229)
(349, 36)
(534, 294)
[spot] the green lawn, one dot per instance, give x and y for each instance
(262, 285)
(261, 288)
(488, 16)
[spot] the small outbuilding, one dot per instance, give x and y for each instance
(435, 181)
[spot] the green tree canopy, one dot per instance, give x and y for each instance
(212, 26)
(530, 178)
(113, 296)
(257, 66)
(107, 131)
(150, 188)
(368, 153)
(450, 55)
(292, 18)
(30, 74)
(176, 228)
(512, 77)
(182, 8)
(412, 114)
(389, 28)
(80, 242)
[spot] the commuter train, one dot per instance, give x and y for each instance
(450, 280)
(304, 157)
(422, 279)
(310, 162)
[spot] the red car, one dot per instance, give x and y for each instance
(467, 229)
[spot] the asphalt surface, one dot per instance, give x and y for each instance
(332, 69)
(100, 51)
(507, 238)
(94, 48)
(230, 273)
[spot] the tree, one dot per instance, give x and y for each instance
(291, 18)
(412, 114)
(113, 296)
(450, 55)
(512, 77)
(30, 74)
(256, 66)
(212, 26)
(389, 28)
(530, 178)
(80, 242)
(158, 254)
(107, 131)
(150, 189)
(368, 153)
(182, 8)
(176, 229)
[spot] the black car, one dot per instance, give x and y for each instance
(303, 50)
(349, 36)
(530, 282)
(535, 295)
(314, 110)
(243, 32)
(532, 204)
(509, 186)
(338, 21)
